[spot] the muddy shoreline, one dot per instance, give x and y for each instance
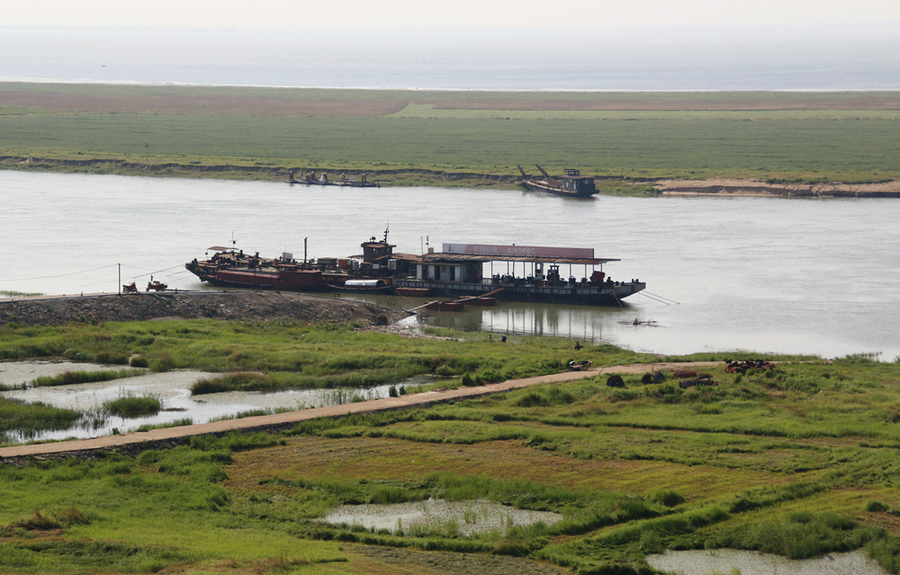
(413, 177)
(732, 187)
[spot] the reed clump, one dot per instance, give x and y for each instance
(77, 377)
(133, 406)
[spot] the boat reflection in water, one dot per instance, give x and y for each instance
(586, 323)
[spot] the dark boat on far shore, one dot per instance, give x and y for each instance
(571, 183)
(310, 179)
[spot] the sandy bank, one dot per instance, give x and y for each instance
(890, 189)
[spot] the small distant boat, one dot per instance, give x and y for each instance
(571, 183)
(413, 292)
(310, 179)
(481, 301)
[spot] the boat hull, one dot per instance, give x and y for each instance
(346, 184)
(541, 187)
(445, 306)
(609, 294)
(294, 280)
(413, 292)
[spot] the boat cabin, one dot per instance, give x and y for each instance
(516, 265)
(573, 181)
(376, 252)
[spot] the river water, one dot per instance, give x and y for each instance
(812, 276)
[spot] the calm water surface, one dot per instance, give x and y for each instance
(761, 274)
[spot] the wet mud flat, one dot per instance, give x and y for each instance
(755, 563)
(465, 517)
(224, 305)
(172, 389)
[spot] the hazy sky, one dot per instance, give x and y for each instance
(424, 13)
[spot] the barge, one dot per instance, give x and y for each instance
(521, 273)
(233, 268)
(373, 271)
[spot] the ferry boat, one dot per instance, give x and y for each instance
(571, 183)
(523, 273)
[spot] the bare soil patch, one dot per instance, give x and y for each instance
(456, 563)
(212, 105)
(890, 189)
(326, 105)
(387, 459)
(889, 101)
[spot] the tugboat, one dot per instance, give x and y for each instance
(372, 271)
(571, 183)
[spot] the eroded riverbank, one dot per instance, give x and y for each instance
(224, 305)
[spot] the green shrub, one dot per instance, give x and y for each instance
(668, 498)
(110, 357)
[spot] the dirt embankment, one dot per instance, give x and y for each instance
(277, 173)
(889, 189)
(413, 177)
(232, 305)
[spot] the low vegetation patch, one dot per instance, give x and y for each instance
(28, 418)
(798, 460)
(250, 133)
(76, 377)
(133, 406)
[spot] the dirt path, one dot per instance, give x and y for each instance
(147, 439)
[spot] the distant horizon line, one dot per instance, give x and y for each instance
(813, 29)
(18, 80)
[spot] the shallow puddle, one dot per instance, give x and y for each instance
(464, 517)
(727, 561)
(171, 388)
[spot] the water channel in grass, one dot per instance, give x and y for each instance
(438, 515)
(171, 388)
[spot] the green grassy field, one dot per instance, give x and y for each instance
(799, 460)
(260, 134)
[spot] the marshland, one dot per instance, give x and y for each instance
(797, 461)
